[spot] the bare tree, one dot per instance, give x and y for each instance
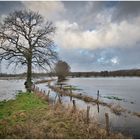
(62, 70)
(26, 39)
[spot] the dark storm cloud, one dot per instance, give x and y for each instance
(8, 6)
(126, 10)
(84, 13)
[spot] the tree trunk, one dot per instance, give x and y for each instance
(29, 75)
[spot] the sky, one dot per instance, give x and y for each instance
(90, 35)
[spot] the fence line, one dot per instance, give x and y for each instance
(42, 93)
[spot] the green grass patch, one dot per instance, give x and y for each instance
(23, 102)
(113, 97)
(71, 88)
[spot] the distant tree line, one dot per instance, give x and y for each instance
(132, 72)
(9, 75)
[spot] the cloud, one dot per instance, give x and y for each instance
(86, 14)
(115, 60)
(126, 10)
(124, 34)
(8, 6)
(101, 59)
(91, 35)
(49, 9)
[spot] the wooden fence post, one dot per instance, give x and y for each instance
(59, 99)
(74, 104)
(71, 89)
(88, 108)
(107, 123)
(97, 95)
(98, 108)
(60, 86)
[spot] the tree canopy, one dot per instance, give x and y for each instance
(62, 69)
(27, 39)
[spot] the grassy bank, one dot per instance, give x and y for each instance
(25, 102)
(28, 116)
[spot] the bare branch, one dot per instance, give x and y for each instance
(25, 39)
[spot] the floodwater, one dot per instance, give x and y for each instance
(127, 89)
(9, 88)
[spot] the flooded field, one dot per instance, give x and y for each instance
(121, 91)
(9, 88)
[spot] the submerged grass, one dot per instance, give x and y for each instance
(136, 114)
(71, 88)
(31, 117)
(113, 97)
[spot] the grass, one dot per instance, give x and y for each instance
(70, 88)
(30, 116)
(117, 109)
(136, 114)
(113, 97)
(24, 102)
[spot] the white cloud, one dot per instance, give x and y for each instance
(115, 60)
(49, 9)
(69, 35)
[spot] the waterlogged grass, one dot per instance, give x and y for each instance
(71, 88)
(136, 114)
(114, 98)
